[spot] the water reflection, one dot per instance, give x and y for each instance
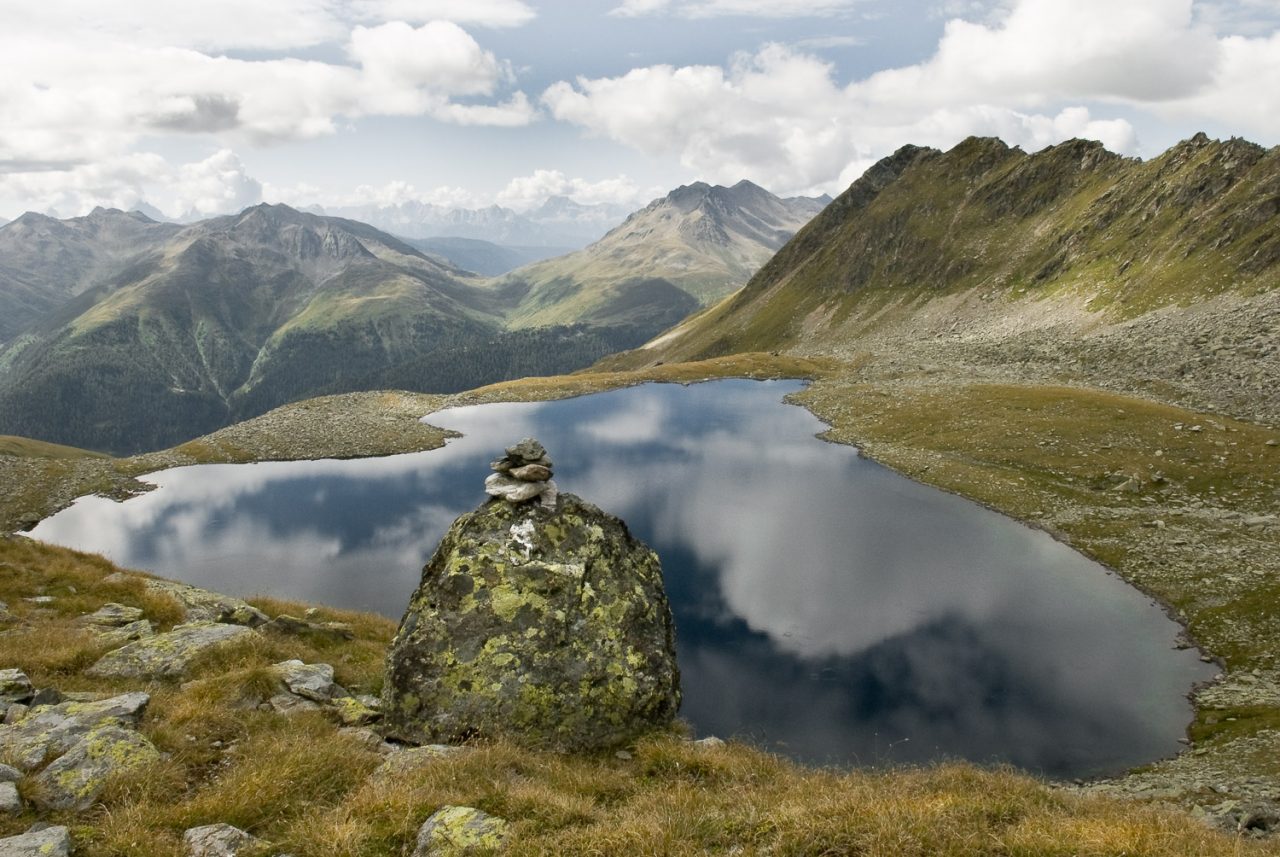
(825, 606)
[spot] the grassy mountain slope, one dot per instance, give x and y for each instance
(44, 262)
(1072, 235)
(233, 316)
(685, 250)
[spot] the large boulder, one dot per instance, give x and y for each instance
(548, 625)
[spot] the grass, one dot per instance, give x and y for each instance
(306, 788)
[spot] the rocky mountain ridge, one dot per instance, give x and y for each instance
(234, 315)
(691, 247)
(1070, 263)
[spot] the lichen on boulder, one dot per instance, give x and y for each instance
(548, 626)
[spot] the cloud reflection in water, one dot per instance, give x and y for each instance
(825, 606)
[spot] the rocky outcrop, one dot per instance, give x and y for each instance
(550, 626)
(457, 830)
(200, 605)
(166, 655)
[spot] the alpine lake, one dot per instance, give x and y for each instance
(826, 608)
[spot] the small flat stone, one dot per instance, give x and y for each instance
(454, 830)
(285, 624)
(527, 450)
(114, 636)
(9, 774)
(218, 840)
(15, 712)
(310, 681)
(167, 655)
(287, 703)
(45, 842)
(531, 473)
(403, 761)
(512, 490)
(112, 615)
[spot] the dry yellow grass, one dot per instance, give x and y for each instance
(308, 790)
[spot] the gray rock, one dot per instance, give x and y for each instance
(367, 738)
(456, 830)
(54, 729)
(45, 842)
(512, 490)
(711, 742)
(167, 655)
(552, 628)
(76, 779)
(401, 762)
(285, 624)
(310, 681)
(287, 703)
(217, 840)
(531, 473)
(47, 696)
(10, 800)
(119, 636)
(15, 686)
(527, 450)
(9, 774)
(113, 615)
(15, 712)
(353, 712)
(201, 605)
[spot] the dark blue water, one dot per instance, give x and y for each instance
(825, 607)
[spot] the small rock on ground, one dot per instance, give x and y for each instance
(46, 842)
(217, 840)
(455, 830)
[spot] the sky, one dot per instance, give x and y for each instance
(209, 106)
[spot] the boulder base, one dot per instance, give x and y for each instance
(550, 627)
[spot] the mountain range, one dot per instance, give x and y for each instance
(558, 222)
(114, 318)
(692, 247)
(1162, 271)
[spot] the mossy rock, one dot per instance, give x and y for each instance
(550, 627)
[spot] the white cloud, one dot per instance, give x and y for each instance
(1039, 72)
(215, 185)
(746, 8)
(83, 97)
(528, 192)
(487, 13)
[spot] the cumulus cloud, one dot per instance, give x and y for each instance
(1039, 72)
(528, 192)
(721, 8)
(487, 13)
(219, 183)
(87, 96)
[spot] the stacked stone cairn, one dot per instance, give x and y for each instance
(523, 474)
